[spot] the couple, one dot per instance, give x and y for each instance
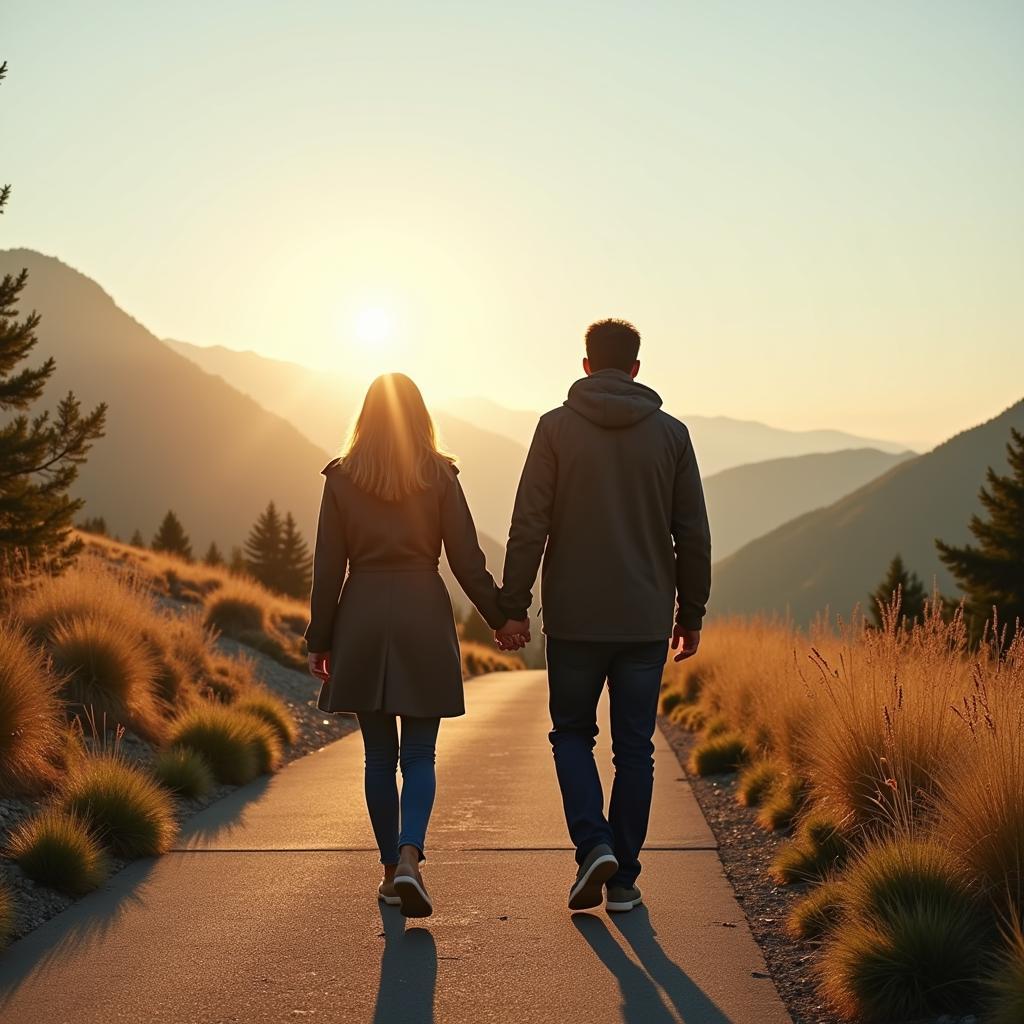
(611, 498)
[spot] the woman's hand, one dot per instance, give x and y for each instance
(320, 665)
(514, 635)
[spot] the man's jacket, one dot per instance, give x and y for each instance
(611, 497)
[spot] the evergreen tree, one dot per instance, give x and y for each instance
(296, 561)
(475, 629)
(171, 537)
(39, 454)
(263, 548)
(213, 555)
(94, 524)
(991, 574)
(137, 540)
(909, 587)
(237, 563)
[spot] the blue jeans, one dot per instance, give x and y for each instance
(577, 671)
(399, 823)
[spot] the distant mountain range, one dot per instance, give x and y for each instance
(834, 556)
(177, 436)
(747, 501)
(720, 442)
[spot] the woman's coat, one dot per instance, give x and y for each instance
(378, 603)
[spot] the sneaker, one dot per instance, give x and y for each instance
(598, 866)
(412, 896)
(622, 898)
(386, 893)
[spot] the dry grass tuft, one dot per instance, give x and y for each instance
(818, 912)
(183, 772)
(817, 851)
(1006, 984)
(234, 744)
(782, 804)
(30, 714)
(124, 806)
(271, 709)
(59, 850)
(7, 914)
(721, 753)
(757, 780)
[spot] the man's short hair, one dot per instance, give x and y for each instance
(612, 345)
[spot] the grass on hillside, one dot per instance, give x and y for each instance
(899, 754)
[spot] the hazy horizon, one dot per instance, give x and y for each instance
(810, 210)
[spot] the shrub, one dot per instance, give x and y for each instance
(30, 720)
(236, 612)
(59, 850)
(1006, 984)
(818, 849)
(688, 716)
(107, 667)
(237, 746)
(818, 912)
(756, 781)
(7, 914)
(722, 753)
(717, 725)
(782, 804)
(923, 960)
(183, 771)
(124, 805)
(273, 711)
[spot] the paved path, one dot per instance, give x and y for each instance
(266, 911)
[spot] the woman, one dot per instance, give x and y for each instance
(388, 649)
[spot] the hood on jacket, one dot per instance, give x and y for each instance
(611, 398)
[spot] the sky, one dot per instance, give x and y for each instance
(811, 209)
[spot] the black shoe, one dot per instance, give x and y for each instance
(588, 890)
(622, 898)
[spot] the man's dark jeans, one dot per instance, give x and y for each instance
(577, 671)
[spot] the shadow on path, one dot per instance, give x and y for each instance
(408, 973)
(222, 815)
(646, 986)
(74, 930)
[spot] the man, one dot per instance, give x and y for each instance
(611, 497)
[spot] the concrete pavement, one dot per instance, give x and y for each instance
(266, 909)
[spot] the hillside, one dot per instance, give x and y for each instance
(835, 556)
(177, 436)
(721, 442)
(748, 501)
(490, 462)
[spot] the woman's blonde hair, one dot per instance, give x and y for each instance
(392, 451)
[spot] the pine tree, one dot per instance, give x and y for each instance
(137, 540)
(94, 524)
(171, 537)
(39, 454)
(991, 574)
(907, 585)
(213, 555)
(296, 561)
(263, 548)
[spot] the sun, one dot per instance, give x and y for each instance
(374, 326)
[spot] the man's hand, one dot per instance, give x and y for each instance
(690, 639)
(514, 635)
(320, 665)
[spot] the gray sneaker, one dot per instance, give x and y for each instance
(622, 898)
(598, 866)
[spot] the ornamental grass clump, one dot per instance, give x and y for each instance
(913, 943)
(31, 724)
(106, 667)
(722, 753)
(123, 804)
(237, 746)
(58, 849)
(782, 803)
(818, 912)
(1005, 985)
(818, 850)
(690, 717)
(184, 772)
(272, 710)
(757, 780)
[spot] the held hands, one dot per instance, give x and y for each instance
(320, 665)
(690, 639)
(514, 635)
